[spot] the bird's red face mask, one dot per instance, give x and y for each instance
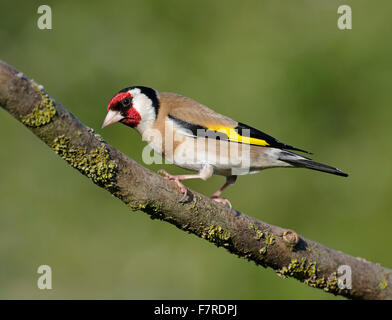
(121, 109)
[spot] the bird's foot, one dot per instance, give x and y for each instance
(177, 180)
(224, 201)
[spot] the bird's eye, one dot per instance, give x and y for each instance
(126, 102)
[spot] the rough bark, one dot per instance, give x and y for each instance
(283, 250)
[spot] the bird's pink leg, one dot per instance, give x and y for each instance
(229, 181)
(177, 179)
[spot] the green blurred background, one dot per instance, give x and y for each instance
(281, 66)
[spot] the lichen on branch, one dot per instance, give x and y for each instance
(42, 113)
(283, 250)
(95, 164)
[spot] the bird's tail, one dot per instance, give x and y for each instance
(303, 162)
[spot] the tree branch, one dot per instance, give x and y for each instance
(267, 245)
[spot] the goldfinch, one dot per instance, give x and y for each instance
(194, 137)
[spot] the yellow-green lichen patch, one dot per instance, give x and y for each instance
(301, 267)
(217, 235)
(331, 284)
(258, 233)
(383, 284)
(308, 273)
(153, 208)
(42, 113)
(263, 250)
(269, 238)
(95, 164)
(303, 270)
(140, 206)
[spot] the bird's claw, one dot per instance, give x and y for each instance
(183, 189)
(224, 201)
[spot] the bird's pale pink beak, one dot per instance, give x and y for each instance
(112, 117)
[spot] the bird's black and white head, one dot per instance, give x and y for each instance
(136, 107)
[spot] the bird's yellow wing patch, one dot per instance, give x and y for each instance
(234, 136)
(241, 133)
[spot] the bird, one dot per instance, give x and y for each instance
(192, 136)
